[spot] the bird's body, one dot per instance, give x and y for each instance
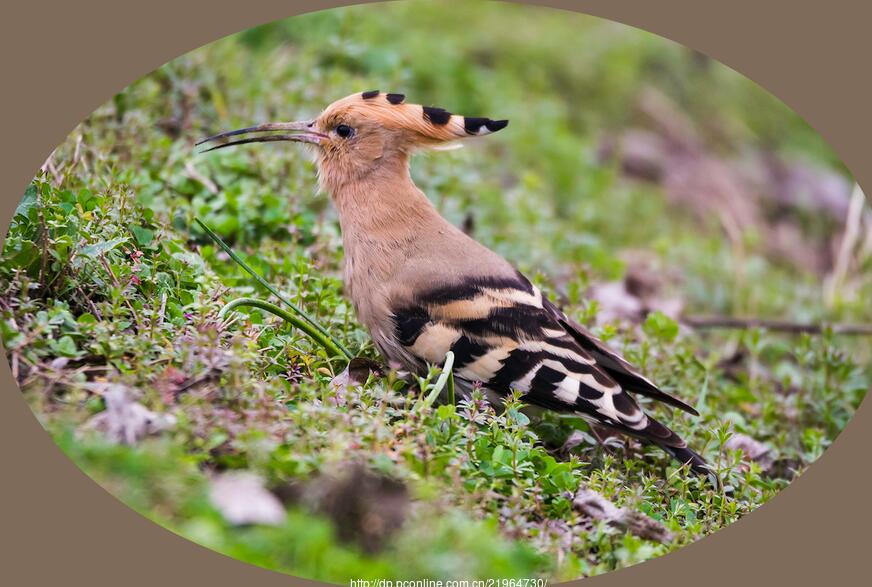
(422, 287)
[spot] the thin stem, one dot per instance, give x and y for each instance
(324, 333)
(325, 341)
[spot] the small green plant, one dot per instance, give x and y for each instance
(304, 322)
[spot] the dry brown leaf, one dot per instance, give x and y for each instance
(597, 507)
(642, 291)
(752, 450)
(125, 421)
(242, 499)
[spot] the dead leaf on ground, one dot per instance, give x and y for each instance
(752, 450)
(597, 507)
(576, 438)
(242, 499)
(644, 289)
(615, 303)
(125, 421)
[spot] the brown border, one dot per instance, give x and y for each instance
(62, 61)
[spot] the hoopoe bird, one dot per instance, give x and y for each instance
(422, 287)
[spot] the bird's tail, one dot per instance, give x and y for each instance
(697, 464)
(674, 445)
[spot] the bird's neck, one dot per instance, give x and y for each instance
(384, 207)
(384, 219)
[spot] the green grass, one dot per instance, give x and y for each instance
(106, 277)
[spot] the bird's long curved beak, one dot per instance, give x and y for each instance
(305, 130)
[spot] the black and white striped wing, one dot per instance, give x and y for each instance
(505, 336)
(616, 366)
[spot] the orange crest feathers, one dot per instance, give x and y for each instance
(428, 124)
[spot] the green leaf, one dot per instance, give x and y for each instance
(86, 199)
(445, 411)
(87, 318)
(27, 256)
(65, 347)
(519, 417)
(28, 202)
(97, 249)
(143, 236)
(660, 326)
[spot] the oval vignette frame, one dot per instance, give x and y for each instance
(817, 475)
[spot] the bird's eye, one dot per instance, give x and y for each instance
(344, 131)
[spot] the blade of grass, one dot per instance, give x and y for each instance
(324, 341)
(444, 378)
(450, 386)
(263, 282)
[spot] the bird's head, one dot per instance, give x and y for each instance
(365, 133)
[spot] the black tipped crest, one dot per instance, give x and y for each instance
(395, 98)
(473, 125)
(438, 116)
(370, 94)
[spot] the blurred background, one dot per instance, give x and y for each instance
(621, 142)
(646, 187)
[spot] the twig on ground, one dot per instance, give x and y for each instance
(777, 325)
